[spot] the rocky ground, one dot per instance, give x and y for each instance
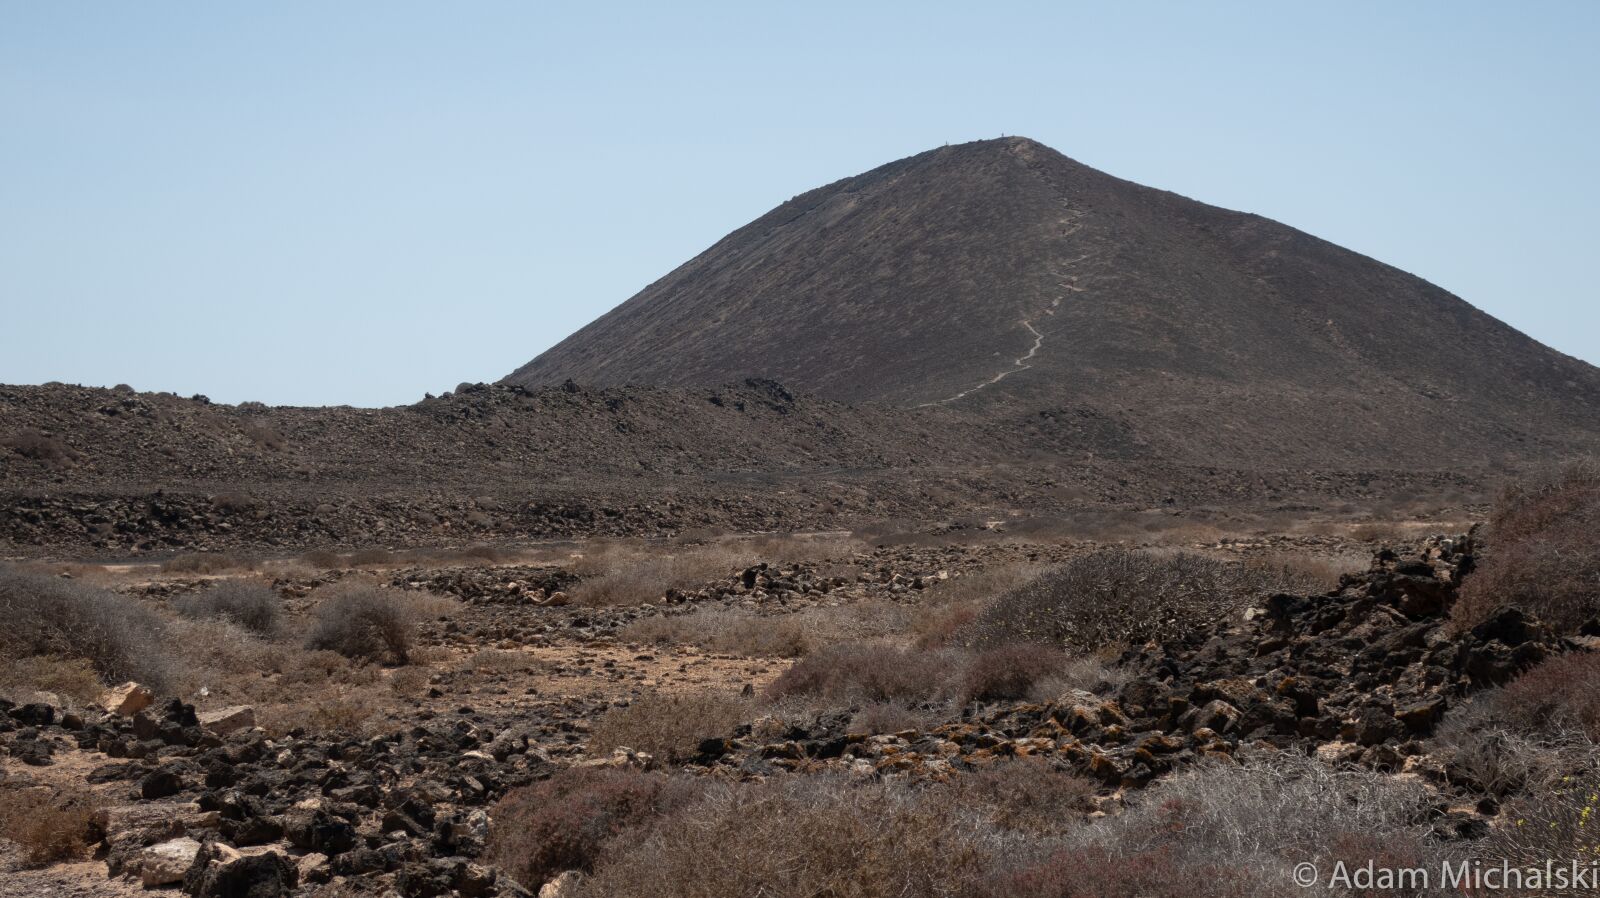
(399, 801)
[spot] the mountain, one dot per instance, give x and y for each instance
(1011, 283)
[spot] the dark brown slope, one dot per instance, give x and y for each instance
(1003, 278)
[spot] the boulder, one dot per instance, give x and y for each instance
(221, 872)
(228, 720)
(166, 863)
(128, 699)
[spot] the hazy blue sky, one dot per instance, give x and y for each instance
(319, 203)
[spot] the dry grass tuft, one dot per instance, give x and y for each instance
(49, 826)
(74, 679)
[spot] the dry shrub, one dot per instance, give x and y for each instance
(1118, 595)
(68, 619)
(1559, 696)
(409, 682)
(1552, 825)
(206, 563)
(1022, 794)
(953, 605)
(798, 837)
(563, 822)
(49, 826)
(1250, 822)
(668, 727)
(868, 672)
(1543, 552)
(74, 679)
(1009, 672)
(250, 604)
(731, 632)
(365, 623)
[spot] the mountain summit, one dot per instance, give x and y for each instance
(1003, 278)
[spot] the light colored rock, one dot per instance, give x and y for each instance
(153, 821)
(621, 758)
(561, 886)
(1337, 753)
(228, 720)
(313, 867)
(165, 864)
(128, 699)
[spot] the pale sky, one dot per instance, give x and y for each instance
(315, 203)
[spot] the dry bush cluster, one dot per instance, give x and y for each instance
(668, 726)
(1529, 735)
(1557, 823)
(51, 616)
(798, 836)
(1118, 596)
(1559, 696)
(1019, 828)
(1543, 552)
(953, 605)
(230, 642)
